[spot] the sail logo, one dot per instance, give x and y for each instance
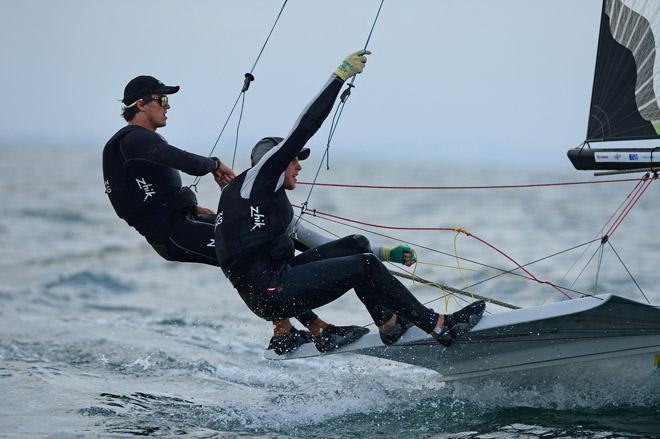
(107, 187)
(211, 243)
(633, 157)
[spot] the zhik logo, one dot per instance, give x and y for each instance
(259, 218)
(146, 187)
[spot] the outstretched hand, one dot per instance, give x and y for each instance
(223, 174)
(352, 65)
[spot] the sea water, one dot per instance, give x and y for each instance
(101, 337)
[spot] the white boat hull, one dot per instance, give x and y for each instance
(598, 332)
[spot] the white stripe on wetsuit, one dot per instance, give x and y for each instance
(251, 176)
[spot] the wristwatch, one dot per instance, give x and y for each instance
(217, 163)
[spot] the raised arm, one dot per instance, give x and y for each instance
(274, 162)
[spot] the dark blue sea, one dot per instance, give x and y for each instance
(100, 337)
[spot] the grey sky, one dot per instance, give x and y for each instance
(504, 81)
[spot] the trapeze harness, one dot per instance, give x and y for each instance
(142, 180)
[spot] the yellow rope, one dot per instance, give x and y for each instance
(460, 230)
(433, 284)
(453, 267)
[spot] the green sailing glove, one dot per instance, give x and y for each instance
(352, 65)
(397, 254)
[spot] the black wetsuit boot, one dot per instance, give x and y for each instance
(459, 323)
(393, 335)
(289, 342)
(333, 337)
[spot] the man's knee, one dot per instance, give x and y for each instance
(360, 243)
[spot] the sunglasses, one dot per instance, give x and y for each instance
(162, 100)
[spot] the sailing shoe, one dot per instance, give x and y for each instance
(459, 323)
(289, 342)
(393, 335)
(333, 337)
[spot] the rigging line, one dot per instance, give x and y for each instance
(419, 279)
(371, 31)
(415, 278)
(598, 267)
(246, 83)
(629, 273)
(527, 278)
(263, 47)
(303, 205)
(334, 125)
(556, 287)
(627, 202)
(335, 122)
(504, 186)
(579, 258)
(435, 285)
(501, 270)
(224, 126)
(602, 229)
(586, 265)
(616, 226)
(458, 261)
(504, 254)
(406, 275)
(453, 267)
(238, 129)
(450, 291)
(326, 152)
(316, 212)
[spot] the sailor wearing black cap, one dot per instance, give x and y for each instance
(142, 179)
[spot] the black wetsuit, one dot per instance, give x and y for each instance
(257, 254)
(142, 180)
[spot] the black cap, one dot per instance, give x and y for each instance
(266, 144)
(142, 86)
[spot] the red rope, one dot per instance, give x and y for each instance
(315, 212)
(507, 186)
(636, 193)
(519, 266)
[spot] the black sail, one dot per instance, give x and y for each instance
(624, 105)
(624, 100)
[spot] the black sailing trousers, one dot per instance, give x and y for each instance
(189, 238)
(320, 275)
